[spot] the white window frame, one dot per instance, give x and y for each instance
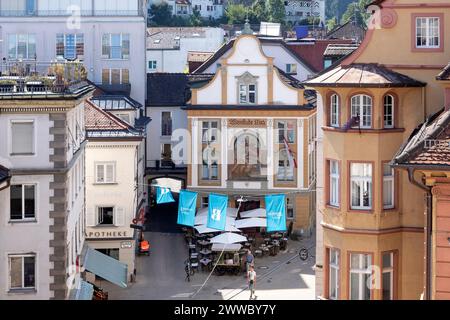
(98, 223)
(389, 270)
(389, 179)
(360, 271)
(22, 256)
(16, 35)
(123, 56)
(246, 93)
(290, 67)
(427, 29)
(359, 108)
(171, 124)
(23, 202)
(210, 132)
(390, 115)
(152, 65)
(361, 181)
(334, 110)
(334, 183)
(33, 140)
(285, 173)
(286, 130)
(208, 166)
(333, 266)
(121, 116)
(105, 164)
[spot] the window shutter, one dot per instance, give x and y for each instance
(109, 173)
(100, 173)
(119, 217)
(90, 217)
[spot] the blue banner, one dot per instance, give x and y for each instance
(186, 208)
(163, 195)
(276, 212)
(217, 212)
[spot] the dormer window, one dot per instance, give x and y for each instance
(247, 89)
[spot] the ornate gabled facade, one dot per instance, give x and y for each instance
(245, 124)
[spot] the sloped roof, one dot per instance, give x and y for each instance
(444, 74)
(429, 144)
(197, 56)
(169, 37)
(166, 89)
(368, 75)
(339, 50)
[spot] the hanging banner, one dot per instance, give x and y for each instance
(217, 212)
(276, 212)
(186, 208)
(163, 195)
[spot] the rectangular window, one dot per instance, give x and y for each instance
(247, 93)
(166, 155)
(388, 187)
(333, 277)
(22, 271)
(21, 46)
(286, 130)
(166, 124)
(124, 117)
(22, 137)
(152, 64)
(360, 272)
(105, 216)
(427, 32)
(209, 131)
(205, 202)
(105, 172)
(285, 170)
(289, 209)
(361, 108)
(291, 68)
(115, 76)
(116, 46)
(361, 186)
(388, 276)
(388, 111)
(210, 169)
(22, 202)
(334, 183)
(70, 46)
(334, 112)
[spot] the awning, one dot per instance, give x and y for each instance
(85, 291)
(106, 267)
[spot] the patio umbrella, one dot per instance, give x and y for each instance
(226, 247)
(256, 213)
(204, 229)
(228, 238)
(251, 223)
(203, 219)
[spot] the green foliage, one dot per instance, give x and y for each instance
(258, 12)
(236, 13)
(8, 82)
(162, 16)
(336, 8)
(195, 20)
(276, 11)
(357, 12)
(332, 24)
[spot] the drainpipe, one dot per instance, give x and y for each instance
(428, 232)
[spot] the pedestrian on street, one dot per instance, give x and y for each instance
(251, 280)
(187, 268)
(249, 261)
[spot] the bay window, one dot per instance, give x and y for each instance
(388, 276)
(360, 273)
(361, 108)
(389, 111)
(334, 110)
(334, 183)
(361, 186)
(333, 277)
(388, 187)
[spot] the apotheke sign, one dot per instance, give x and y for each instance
(107, 234)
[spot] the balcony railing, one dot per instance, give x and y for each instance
(65, 13)
(157, 165)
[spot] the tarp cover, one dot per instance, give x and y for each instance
(106, 267)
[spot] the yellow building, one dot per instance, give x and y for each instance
(371, 218)
(239, 123)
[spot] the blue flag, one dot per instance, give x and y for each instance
(276, 212)
(186, 208)
(163, 195)
(217, 212)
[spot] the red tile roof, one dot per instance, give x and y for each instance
(98, 120)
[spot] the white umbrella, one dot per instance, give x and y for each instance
(203, 219)
(202, 211)
(228, 238)
(226, 247)
(256, 213)
(204, 229)
(251, 223)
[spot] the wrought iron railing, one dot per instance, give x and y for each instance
(65, 13)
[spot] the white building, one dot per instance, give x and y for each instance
(208, 9)
(114, 185)
(108, 36)
(42, 211)
(167, 48)
(297, 10)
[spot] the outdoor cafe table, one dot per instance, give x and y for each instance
(205, 252)
(205, 262)
(204, 243)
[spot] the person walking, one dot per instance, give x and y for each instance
(251, 279)
(187, 268)
(249, 260)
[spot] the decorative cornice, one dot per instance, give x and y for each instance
(110, 146)
(34, 109)
(371, 231)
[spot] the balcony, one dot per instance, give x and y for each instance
(33, 79)
(66, 13)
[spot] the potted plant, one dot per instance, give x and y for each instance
(7, 85)
(60, 84)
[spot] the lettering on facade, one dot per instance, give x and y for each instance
(107, 234)
(252, 123)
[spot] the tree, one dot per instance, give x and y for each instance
(276, 11)
(258, 12)
(357, 12)
(236, 13)
(161, 14)
(332, 24)
(195, 20)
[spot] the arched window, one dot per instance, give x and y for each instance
(389, 105)
(334, 110)
(362, 109)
